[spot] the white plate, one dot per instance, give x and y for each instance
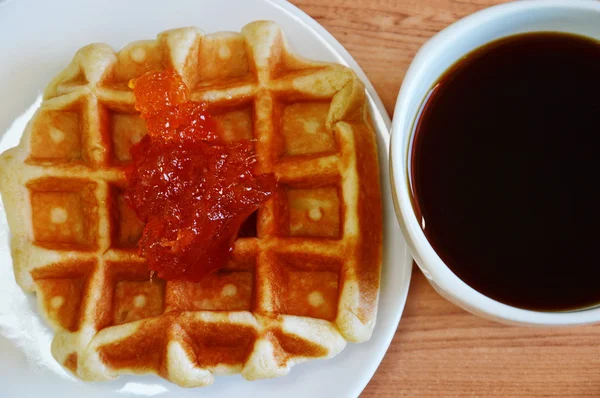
(37, 39)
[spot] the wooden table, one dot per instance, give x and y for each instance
(439, 349)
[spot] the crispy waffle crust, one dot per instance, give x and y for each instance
(298, 288)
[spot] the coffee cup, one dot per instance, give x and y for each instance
(432, 60)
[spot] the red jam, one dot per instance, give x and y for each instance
(192, 190)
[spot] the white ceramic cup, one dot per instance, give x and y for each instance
(433, 59)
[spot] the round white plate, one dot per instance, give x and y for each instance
(38, 39)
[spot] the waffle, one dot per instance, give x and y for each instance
(302, 280)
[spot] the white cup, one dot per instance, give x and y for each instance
(433, 59)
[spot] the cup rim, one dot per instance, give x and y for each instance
(436, 271)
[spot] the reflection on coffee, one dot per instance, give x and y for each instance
(505, 168)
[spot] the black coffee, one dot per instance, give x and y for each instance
(505, 170)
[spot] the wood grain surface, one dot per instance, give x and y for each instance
(439, 349)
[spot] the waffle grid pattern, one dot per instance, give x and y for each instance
(303, 286)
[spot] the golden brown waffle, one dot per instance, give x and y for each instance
(300, 286)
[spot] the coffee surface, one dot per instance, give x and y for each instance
(505, 167)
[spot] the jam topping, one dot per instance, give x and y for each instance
(193, 190)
